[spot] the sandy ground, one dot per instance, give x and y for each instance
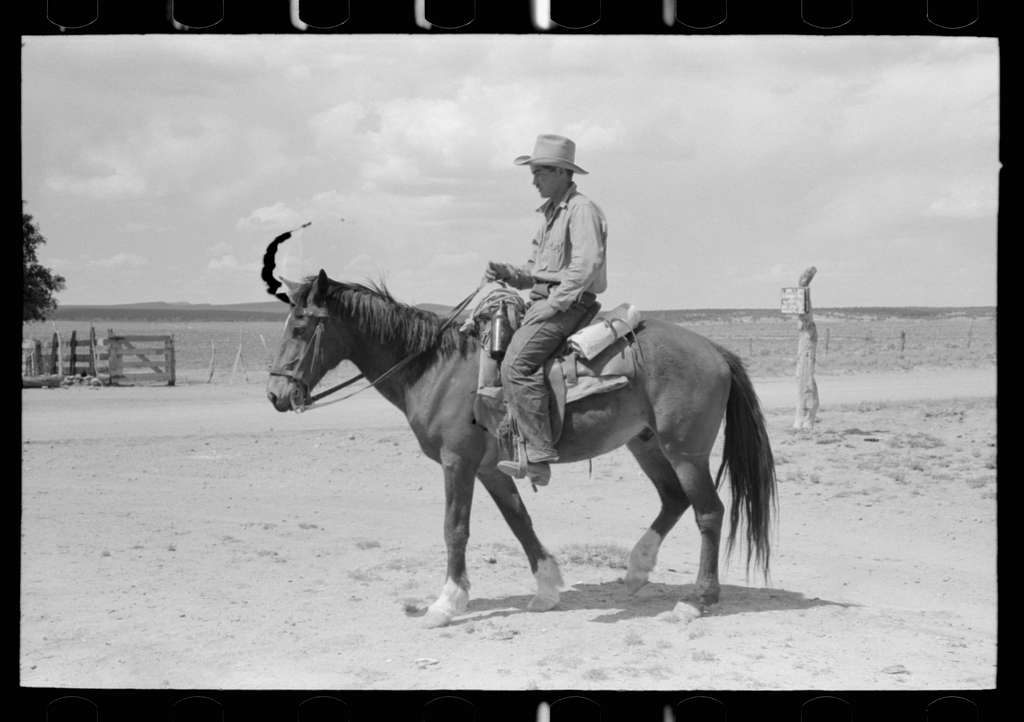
(191, 537)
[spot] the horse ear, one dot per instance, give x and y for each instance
(293, 288)
(320, 288)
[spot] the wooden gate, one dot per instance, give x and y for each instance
(131, 359)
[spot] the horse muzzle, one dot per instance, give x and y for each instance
(289, 394)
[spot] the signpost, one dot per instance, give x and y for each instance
(797, 300)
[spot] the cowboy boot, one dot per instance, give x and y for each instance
(535, 466)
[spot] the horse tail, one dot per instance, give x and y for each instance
(747, 454)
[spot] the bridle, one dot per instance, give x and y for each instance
(300, 396)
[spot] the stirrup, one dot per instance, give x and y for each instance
(516, 468)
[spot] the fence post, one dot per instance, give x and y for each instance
(72, 352)
(114, 368)
(807, 388)
(903, 341)
(828, 335)
(37, 357)
(60, 353)
(54, 359)
(213, 354)
(239, 362)
(169, 359)
(92, 352)
(970, 333)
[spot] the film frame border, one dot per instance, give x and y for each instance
(643, 17)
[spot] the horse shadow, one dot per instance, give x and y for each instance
(614, 604)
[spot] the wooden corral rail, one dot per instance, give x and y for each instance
(81, 356)
(153, 356)
(117, 360)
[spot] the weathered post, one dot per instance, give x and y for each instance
(115, 368)
(169, 359)
(72, 353)
(54, 365)
(213, 355)
(27, 357)
(92, 352)
(807, 387)
(239, 363)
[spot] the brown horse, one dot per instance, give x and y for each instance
(668, 418)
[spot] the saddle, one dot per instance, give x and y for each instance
(571, 376)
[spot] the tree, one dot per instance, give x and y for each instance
(39, 284)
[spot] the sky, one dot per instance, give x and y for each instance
(159, 167)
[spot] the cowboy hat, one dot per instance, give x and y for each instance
(554, 150)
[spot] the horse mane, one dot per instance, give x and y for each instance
(379, 316)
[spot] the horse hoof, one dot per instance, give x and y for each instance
(433, 619)
(635, 583)
(542, 604)
(686, 612)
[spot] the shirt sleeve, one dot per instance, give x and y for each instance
(587, 233)
(522, 276)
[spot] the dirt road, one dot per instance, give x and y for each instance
(192, 537)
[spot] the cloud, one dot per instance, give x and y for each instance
(336, 127)
(279, 216)
(778, 273)
(713, 159)
(230, 263)
(133, 226)
(119, 183)
(454, 260)
(121, 260)
(220, 248)
(967, 202)
(208, 156)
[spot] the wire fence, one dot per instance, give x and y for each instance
(241, 352)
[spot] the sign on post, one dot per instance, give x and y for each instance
(794, 300)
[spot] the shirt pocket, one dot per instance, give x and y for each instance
(555, 247)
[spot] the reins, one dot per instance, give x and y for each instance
(452, 316)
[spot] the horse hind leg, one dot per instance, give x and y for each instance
(696, 482)
(674, 503)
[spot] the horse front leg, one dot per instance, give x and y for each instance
(458, 493)
(543, 565)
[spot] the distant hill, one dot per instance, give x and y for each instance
(163, 311)
(276, 311)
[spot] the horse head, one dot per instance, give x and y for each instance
(312, 343)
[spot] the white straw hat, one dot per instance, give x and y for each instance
(554, 150)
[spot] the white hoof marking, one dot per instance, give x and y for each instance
(686, 612)
(452, 602)
(549, 582)
(642, 560)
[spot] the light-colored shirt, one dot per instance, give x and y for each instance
(569, 248)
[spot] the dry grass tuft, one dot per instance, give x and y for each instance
(595, 555)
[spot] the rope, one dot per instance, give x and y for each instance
(489, 305)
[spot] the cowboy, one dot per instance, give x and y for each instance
(565, 272)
